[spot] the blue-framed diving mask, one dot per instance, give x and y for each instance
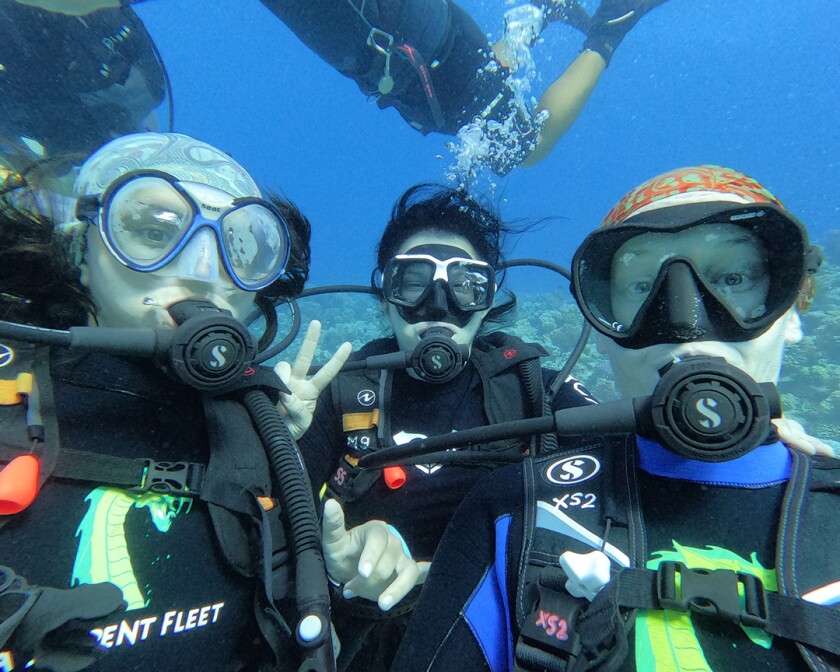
(147, 218)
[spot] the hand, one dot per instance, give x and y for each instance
(370, 559)
(612, 21)
(794, 435)
(54, 625)
(299, 406)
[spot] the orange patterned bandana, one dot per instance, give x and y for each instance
(685, 180)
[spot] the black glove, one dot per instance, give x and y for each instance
(570, 12)
(52, 625)
(612, 21)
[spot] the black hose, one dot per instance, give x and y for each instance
(577, 351)
(279, 347)
(311, 586)
(39, 335)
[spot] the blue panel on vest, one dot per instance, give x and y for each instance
(487, 610)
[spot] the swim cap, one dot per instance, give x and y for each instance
(179, 155)
(702, 184)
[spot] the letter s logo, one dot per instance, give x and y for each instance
(704, 407)
(436, 363)
(572, 470)
(218, 355)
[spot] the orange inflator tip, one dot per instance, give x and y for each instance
(394, 477)
(19, 484)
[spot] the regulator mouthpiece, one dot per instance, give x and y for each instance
(437, 358)
(705, 409)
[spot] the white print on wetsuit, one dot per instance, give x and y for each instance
(131, 632)
(578, 387)
(585, 500)
(7, 356)
(401, 438)
(573, 470)
(366, 397)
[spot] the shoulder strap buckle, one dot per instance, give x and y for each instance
(180, 479)
(713, 593)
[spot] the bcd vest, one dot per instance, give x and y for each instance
(236, 484)
(588, 500)
(511, 380)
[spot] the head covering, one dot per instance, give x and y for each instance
(179, 155)
(701, 184)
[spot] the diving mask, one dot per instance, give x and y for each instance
(710, 271)
(410, 279)
(146, 218)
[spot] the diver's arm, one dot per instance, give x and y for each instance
(565, 100)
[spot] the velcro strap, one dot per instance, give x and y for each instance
(13, 391)
(355, 421)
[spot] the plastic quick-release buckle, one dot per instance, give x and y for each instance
(171, 478)
(713, 593)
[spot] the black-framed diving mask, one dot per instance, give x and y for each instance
(678, 292)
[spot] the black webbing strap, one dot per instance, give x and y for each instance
(180, 479)
(719, 593)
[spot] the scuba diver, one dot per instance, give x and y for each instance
(75, 75)
(430, 61)
(699, 540)
(145, 520)
(437, 281)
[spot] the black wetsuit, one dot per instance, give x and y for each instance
(187, 608)
(440, 82)
(709, 516)
(421, 508)
(73, 83)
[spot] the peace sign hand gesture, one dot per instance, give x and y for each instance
(299, 406)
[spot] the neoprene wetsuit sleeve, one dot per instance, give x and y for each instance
(461, 621)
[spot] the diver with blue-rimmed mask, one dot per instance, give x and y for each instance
(148, 483)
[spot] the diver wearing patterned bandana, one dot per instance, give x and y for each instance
(628, 555)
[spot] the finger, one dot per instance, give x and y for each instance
(307, 350)
(283, 370)
(407, 574)
(294, 406)
(330, 370)
(822, 448)
(375, 560)
(332, 526)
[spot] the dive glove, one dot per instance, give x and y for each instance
(52, 626)
(612, 21)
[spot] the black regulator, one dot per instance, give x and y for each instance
(435, 359)
(705, 409)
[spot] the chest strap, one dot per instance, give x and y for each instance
(180, 479)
